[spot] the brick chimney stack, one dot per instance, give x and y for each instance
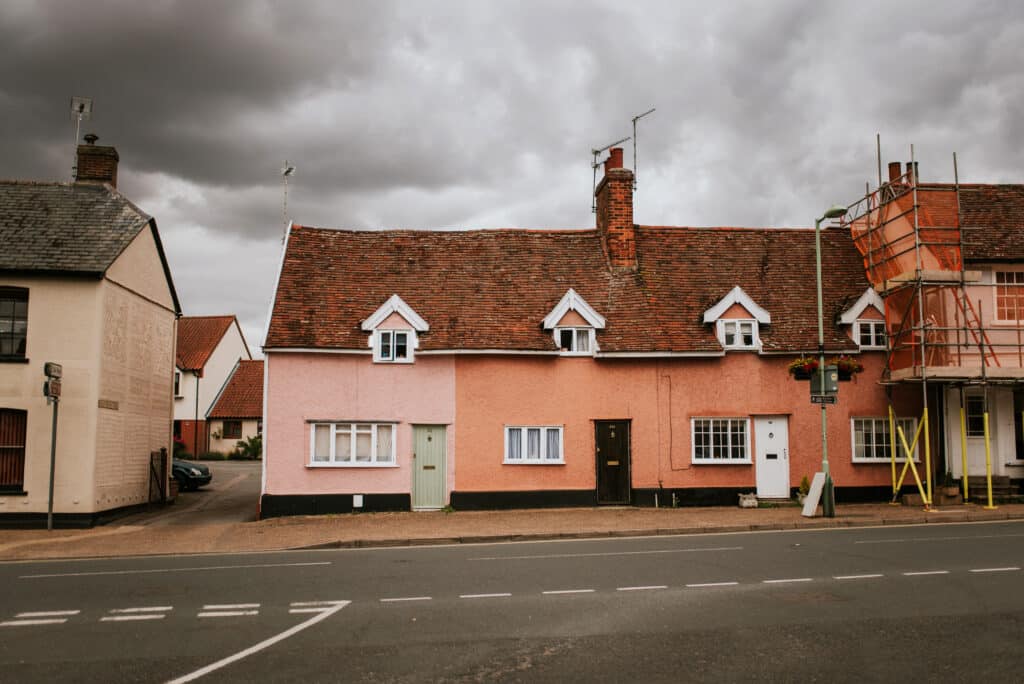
(96, 163)
(615, 212)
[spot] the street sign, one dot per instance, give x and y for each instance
(823, 398)
(53, 370)
(51, 388)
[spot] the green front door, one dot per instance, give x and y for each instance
(428, 447)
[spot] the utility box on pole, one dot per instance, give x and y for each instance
(830, 386)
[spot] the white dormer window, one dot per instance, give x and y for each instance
(869, 333)
(575, 340)
(738, 331)
(738, 334)
(393, 345)
(393, 331)
(574, 323)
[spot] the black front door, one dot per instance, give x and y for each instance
(612, 440)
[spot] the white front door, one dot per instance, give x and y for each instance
(771, 443)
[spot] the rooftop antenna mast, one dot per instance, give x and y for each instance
(593, 166)
(81, 108)
(636, 167)
(287, 171)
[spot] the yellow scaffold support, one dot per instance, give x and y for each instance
(988, 462)
(909, 460)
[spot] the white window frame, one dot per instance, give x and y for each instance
(177, 385)
(542, 458)
(724, 323)
(730, 421)
(578, 332)
(909, 429)
(873, 324)
(353, 428)
(1016, 290)
(392, 334)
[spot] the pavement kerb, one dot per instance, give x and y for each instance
(810, 524)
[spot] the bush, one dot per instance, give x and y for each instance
(249, 449)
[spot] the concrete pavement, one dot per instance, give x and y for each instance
(150, 534)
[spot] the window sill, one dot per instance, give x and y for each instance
(14, 359)
(389, 362)
(721, 462)
(533, 463)
(881, 461)
(351, 465)
(13, 492)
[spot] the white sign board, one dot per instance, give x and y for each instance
(813, 496)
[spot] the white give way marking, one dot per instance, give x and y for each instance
(328, 608)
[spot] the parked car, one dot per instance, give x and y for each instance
(190, 475)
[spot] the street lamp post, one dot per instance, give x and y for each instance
(828, 503)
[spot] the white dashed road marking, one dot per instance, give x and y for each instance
(405, 598)
(605, 553)
(704, 585)
(1011, 569)
(926, 572)
(48, 613)
(27, 623)
(788, 581)
(647, 588)
(474, 596)
(137, 613)
(853, 577)
(568, 591)
(337, 605)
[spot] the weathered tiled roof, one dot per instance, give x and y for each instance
(242, 396)
(198, 336)
(490, 289)
(993, 220)
(76, 228)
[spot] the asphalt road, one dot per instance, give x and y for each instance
(928, 603)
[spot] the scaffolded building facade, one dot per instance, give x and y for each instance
(954, 304)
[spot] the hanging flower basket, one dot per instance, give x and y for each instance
(846, 365)
(803, 367)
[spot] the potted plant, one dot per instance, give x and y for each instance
(803, 367)
(805, 487)
(846, 365)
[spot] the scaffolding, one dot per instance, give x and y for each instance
(945, 324)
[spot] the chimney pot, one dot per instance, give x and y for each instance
(91, 138)
(912, 171)
(894, 172)
(614, 160)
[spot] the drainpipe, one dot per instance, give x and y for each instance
(195, 422)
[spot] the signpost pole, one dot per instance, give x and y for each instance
(53, 461)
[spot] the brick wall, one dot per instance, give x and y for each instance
(615, 212)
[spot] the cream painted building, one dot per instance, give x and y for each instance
(83, 283)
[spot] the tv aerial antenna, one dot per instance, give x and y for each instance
(81, 108)
(593, 166)
(287, 171)
(636, 167)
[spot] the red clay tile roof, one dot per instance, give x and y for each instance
(198, 336)
(490, 289)
(242, 396)
(993, 220)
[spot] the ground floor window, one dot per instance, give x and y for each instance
(975, 415)
(12, 450)
(533, 444)
(232, 429)
(352, 444)
(872, 441)
(721, 440)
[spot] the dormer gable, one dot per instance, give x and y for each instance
(737, 320)
(393, 329)
(867, 318)
(573, 322)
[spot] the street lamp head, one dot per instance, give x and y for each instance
(835, 211)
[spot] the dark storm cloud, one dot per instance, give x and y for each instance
(471, 114)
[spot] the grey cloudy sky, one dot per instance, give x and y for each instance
(483, 114)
